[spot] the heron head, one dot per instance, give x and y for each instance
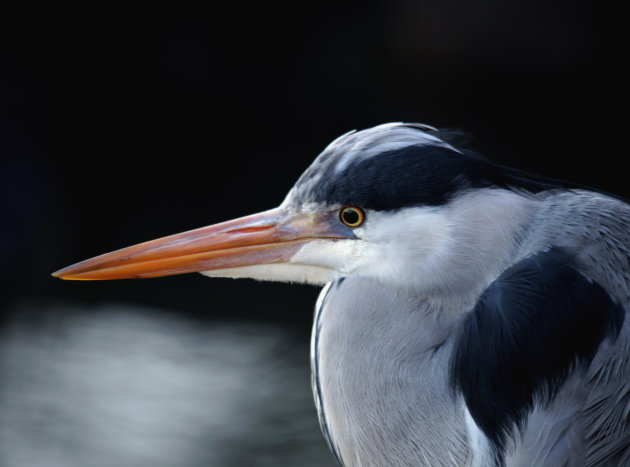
(374, 203)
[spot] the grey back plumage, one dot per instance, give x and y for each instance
(588, 422)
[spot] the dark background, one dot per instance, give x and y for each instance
(120, 126)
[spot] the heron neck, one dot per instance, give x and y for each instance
(381, 369)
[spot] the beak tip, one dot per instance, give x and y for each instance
(68, 277)
(58, 275)
(62, 274)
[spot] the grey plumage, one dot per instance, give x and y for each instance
(475, 314)
(383, 369)
(381, 353)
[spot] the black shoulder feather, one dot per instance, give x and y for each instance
(534, 325)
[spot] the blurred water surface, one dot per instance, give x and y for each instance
(120, 385)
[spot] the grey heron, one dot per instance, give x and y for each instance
(472, 314)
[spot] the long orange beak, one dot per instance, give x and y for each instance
(269, 237)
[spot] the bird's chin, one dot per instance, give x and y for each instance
(278, 272)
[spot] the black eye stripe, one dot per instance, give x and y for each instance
(352, 216)
(416, 175)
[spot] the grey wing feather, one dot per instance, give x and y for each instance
(588, 424)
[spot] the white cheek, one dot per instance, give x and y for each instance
(339, 255)
(281, 272)
(405, 246)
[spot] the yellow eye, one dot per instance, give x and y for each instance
(352, 216)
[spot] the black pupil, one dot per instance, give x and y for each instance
(351, 216)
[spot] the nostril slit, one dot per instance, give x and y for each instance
(252, 229)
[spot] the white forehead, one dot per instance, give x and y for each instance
(357, 146)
